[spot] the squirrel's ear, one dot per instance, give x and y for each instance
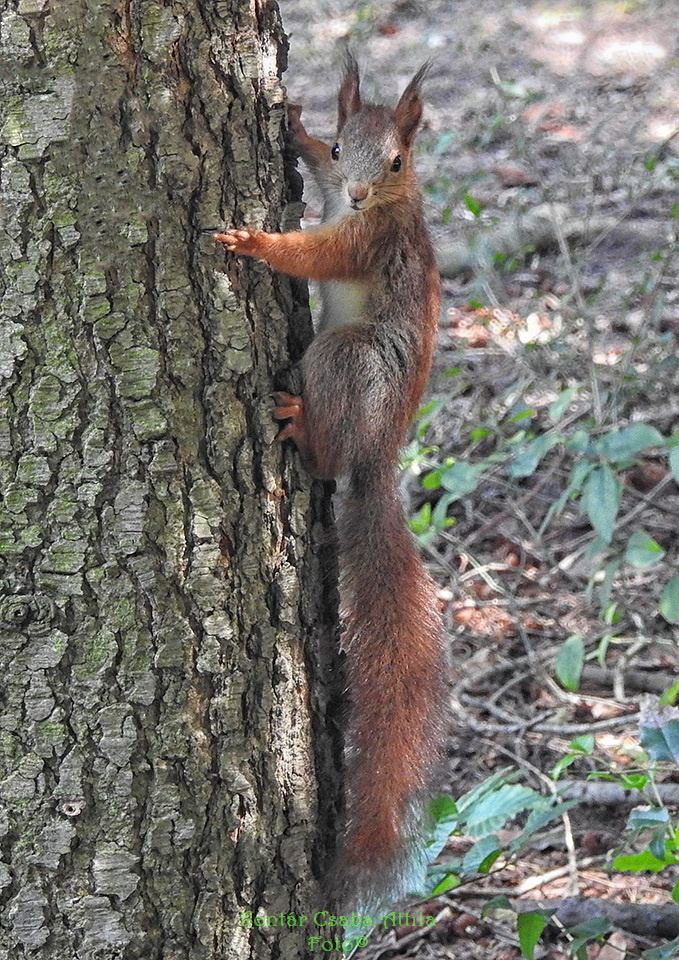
(408, 112)
(348, 98)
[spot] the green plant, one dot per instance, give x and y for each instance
(478, 815)
(650, 824)
(481, 813)
(595, 461)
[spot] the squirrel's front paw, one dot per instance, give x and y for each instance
(247, 241)
(294, 118)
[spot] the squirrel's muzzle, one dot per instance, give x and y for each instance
(357, 191)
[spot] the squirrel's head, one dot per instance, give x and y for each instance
(373, 152)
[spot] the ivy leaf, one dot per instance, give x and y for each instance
(570, 661)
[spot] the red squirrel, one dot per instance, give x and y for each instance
(363, 377)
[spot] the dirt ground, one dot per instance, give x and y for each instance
(549, 161)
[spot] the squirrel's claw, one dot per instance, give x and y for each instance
(232, 239)
(287, 406)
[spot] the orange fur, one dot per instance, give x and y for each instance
(363, 381)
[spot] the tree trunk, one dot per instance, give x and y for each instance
(162, 612)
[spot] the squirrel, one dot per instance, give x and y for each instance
(363, 376)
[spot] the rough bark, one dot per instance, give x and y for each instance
(160, 608)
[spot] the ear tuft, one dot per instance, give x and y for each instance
(348, 98)
(408, 112)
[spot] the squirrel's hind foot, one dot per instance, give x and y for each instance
(290, 407)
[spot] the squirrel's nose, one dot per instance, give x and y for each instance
(357, 191)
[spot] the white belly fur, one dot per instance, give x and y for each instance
(343, 303)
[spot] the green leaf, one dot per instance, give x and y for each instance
(493, 810)
(633, 781)
(432, 480)
(445, 819)
(468, 800)
(657, 845)
(669, 697)
(442, 808)
(595, 549)
(624, 444)
(526, 414)
(583, 744)
(562, 765)
(472, 204)
(661, 743)
(570, 661)
(594, 927)
(421, 522)
(642, 550)
(669, 601)
(638, 862)
(668, 951)
(486, 865)
(439, 517)
(582, 933)
(561, 404)
(581, 471)
(497, 903)
(579, 443)
(674, 462)
(461, 478)
(530, 927)
(600, 500)
(526, 462)
(647, 819)
(480, 852)
(539, 818)
(606, 589)
(674, 893)
(449, 882)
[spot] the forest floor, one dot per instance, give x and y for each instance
(542, 476)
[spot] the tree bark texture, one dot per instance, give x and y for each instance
(161, 610)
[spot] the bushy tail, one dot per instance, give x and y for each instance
(396, 667)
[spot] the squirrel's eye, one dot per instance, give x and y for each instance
(396, 165)
(334, 153)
